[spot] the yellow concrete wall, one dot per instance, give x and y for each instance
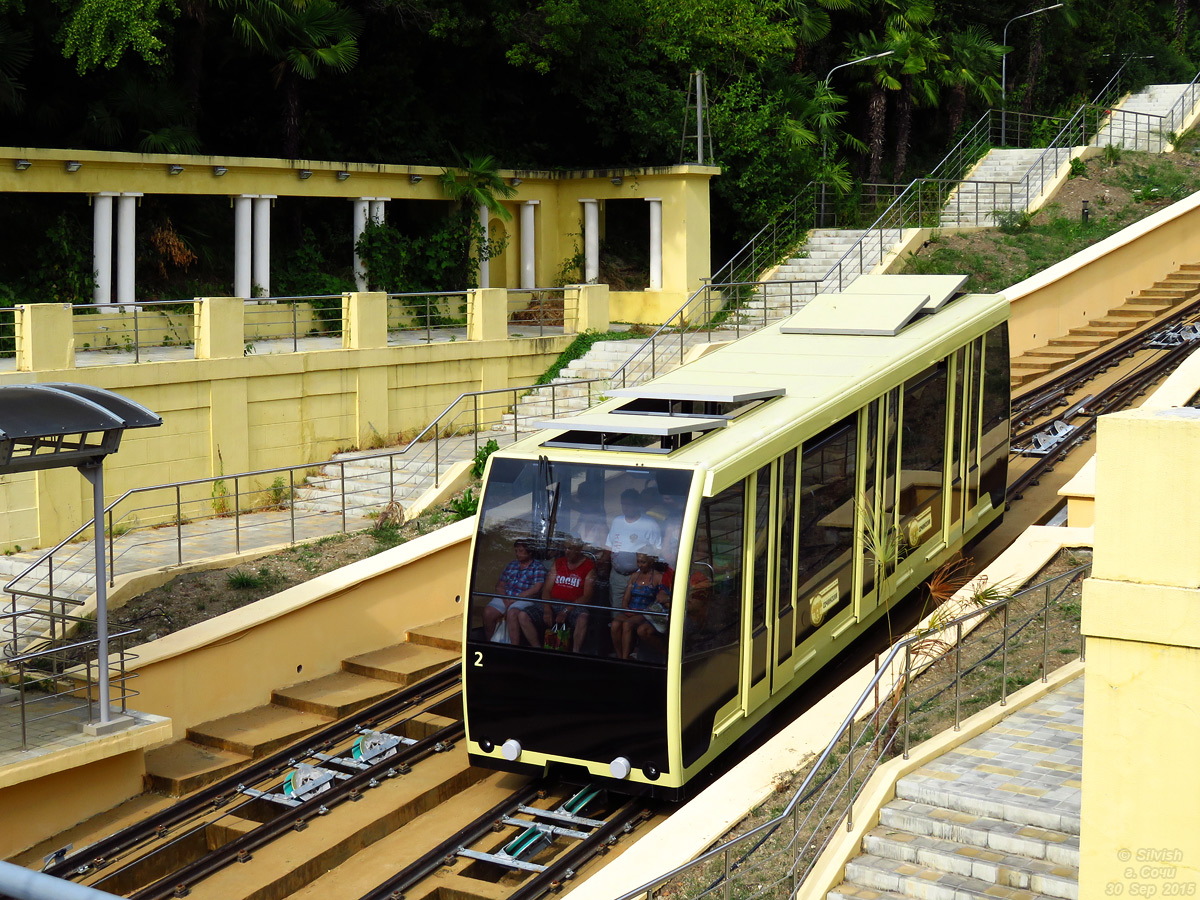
(234, 661)
(18, 499)
(1085, 286)
(222, 416)
(1141, 616)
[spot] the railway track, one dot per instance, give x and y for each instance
(1055, 418)
(166, 854)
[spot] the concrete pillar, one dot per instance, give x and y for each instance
(593, 307)
(361, 212)
(102, 241)
(126, 247)
(591, 241)
(261, 265)
(487, 315)
(655, 243)
(47, 339)
(220, 330)
(364, 320)
(378, 210)
(242, 285)
(484, 270)
(1141, 617)
(528, 238)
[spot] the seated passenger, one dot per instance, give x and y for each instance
(573, 581)
(520, 583)
(629, 531)
(653, 633)
(644, 589)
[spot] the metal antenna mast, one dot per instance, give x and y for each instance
(695, 120)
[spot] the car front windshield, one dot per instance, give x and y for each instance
(577, 558)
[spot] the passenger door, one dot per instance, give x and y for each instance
(758, 626)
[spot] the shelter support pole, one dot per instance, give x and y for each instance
(528, 244)
(591, 241)
(242, 217)
(655, 243)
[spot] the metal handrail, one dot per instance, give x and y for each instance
(867, 708)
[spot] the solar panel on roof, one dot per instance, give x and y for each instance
(940, 288)
(615, 423)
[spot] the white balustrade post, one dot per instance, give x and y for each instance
(362, 209)
(378, 210)
(126, 249)
(102, 242)
(655, 242)
(241, 246)
(528, 253)
(591, 241)
(485, 280)
(261, 265)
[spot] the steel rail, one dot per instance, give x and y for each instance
(101, 852)
(430, 862)
(292, 817)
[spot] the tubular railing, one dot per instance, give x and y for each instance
(426, 316)
(276, 324)
(781, 236)
(544, 310)
(1182, 107)
(120, 331)
(939, 675)
(61, 677)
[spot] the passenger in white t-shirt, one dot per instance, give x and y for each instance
(629, 532)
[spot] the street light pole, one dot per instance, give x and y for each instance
(1004, 71)
(824, 143)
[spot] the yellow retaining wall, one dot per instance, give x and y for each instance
(227, 415)
(1141, 616)
(1090, 283)
(233, 662)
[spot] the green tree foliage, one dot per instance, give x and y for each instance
(98, 33)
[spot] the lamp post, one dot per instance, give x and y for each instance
(1004, 71)
(824, 143)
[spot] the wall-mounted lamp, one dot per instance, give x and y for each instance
(174, 169)
(22, 164)
(343, 175)
(515, 182)
(616, 179)
(414, 179)
(74, 166)
(305, 174)
(218, 171)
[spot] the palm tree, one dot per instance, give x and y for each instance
(302, 38)
(813, 114)
(812, 24)
(15, 54)
(917, 51)
(969, 70)
(473, 186)
(881, 78)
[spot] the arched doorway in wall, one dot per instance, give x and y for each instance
(498, 274)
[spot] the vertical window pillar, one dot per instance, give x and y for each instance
(261, 267)
(242, 207)
(102, 244)
(528, 253)
(126, 249)
(362, 209)
(655, 242)
(591, 241)
(378, 210)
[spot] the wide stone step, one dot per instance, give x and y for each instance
(1015, 807)
(992, 867)
(257, 732)
(915, 881)
(982, 831)
(402, 664)
(334, 695)
(183, 766)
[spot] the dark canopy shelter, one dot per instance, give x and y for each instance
(48, 426)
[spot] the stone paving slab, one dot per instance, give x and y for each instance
(1026, 769)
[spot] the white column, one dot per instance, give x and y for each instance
(377, 210)
(102, 239)
(241, 246)
(655, 242)
(261, 258)
(126, 249)
(528, 256)
(484, 270)
(591, 241)
(361, 211)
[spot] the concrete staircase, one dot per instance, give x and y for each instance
(799, 279)
(998, 817)
(1140, 133)
(214, 749)
(1177, 288)
(996, 183)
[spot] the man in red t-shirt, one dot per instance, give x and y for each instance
(571, 581)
